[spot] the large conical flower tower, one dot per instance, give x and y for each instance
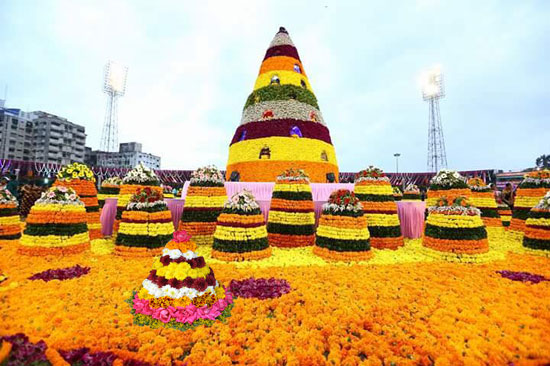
(110, 188)
(483, 198)
(449, 184)
(537, 228)
(10, 223)
(281, 126)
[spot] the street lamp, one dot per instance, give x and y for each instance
(397, 155)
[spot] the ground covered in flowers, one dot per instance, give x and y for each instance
(401, 308)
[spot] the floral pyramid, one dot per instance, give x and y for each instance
(203, 204)
(342, 234)
(240, 232)
(411, 193)
(10, 223)
(531, 190)
(449, 184)
(146, 225)
(291, 220)
(181, 290)
(483, 198)
(110, 188)
(56, 224)
(505, 212)
(281, 126)
(454, 230)
(138, 178)
(537, 227)
(80, 178)
(373, 189)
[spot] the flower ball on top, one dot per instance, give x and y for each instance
(291, 221)
(80, 178)
(537, 227)
(373, 189)
(181, 291)
(10, 223)
(240, 232)
(411, 193)
(342, 234)
(110, 188)
(56, 224)
(449, 184)
(203, 204)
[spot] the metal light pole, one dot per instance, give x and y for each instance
(397, 155)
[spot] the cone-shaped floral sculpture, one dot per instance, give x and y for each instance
(80, 178)
(203, 204)
(373, 189)
(505, 212)
(531, 190)
(449, 184)
(411, 193)
(240, 232)
(56, 225)
(10, 223)
(181, 291)
(291, 221)
(482, 197)
(281, 125)
(146, 225)
(342, 234)
(137, 178)
(397, 194)
(537, 227)
(110, 188)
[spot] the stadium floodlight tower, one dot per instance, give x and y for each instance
(114, 86)
(433, 90)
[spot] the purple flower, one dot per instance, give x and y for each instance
(61, 273)
(260, 288)
(523, 276)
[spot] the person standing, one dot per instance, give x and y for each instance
(508, 195)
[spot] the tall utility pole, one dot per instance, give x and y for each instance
(114, 86)
(432, 91)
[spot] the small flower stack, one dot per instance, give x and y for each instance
(374, 191)
(449, 184)
(291, 221)
(483, 198)
(167, 191)
(181, 291)
(342, 234)
(136, 179)
(531, 190)
(397, 194)
(110, 188)
(56, 225)
(10, 223)
(537, 227)
(240, 232)
(80, 178)
(455, 231)
(505, 213)
(146, 225)
(412, 193)
(203, 204)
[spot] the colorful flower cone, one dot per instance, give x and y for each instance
(110, 188)
(505, 213)
(10, 223)
(136, 179)
(411, 193)
(531, 190)
(397, 194)
(240, 232)
(483, 198)
(181, 291)
(281, 125)
(537, 227)
(455, 231)
(146, 225)
(203, 204)
(80, 178)
(374, 190)
(343, 234)
(449, 184)
(291, 221)
(56, 225)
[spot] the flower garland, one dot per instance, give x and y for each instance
(260, 288)
(61, 273)
(523, 276)
(110, 188)
(397, 194)
(448, 183)
(56, 224)
(10, 223)
(411, 193)
(342, 234)
(203, 204)
(537, 226)
(241, 233)
(374, 190)
(291, 221)
(483, 198)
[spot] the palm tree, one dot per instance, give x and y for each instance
(543, 161)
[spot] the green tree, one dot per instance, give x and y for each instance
(543, 161)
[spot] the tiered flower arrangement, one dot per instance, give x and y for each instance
(537, 227)
(167, 191)
(146, 225)
(454, 230)
(531, 190)
(138, 178)
(240, 232)
(373, 189)
(397, 194)
(411, 193)
(342, 234)
(10, 223)
(80, 178)
(181, 291)
(505, 213)
(291, 221)
(203, 204)
(56, 225)
(449, 184)
(483, 198)
(110, 188)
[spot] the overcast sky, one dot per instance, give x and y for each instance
(192, 65)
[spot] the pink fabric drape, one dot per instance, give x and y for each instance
(175, 205)
(107, 217)
(411, 216)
